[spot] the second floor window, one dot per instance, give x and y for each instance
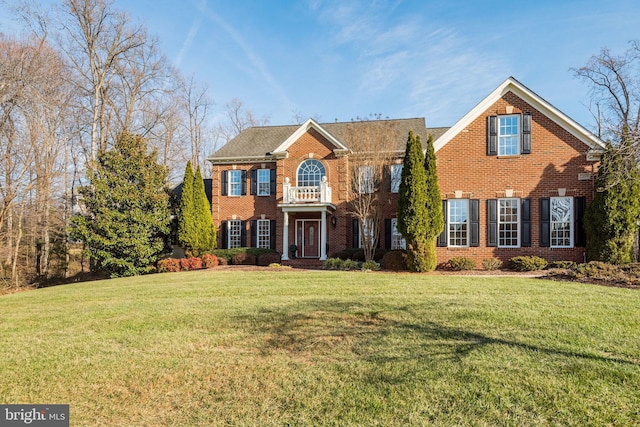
(365, 179)
(264, 184)
(310, 173)
(396, 177)
(235, 183)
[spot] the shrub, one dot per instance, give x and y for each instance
(350, 264)
(209, 260)
(222, 261)
(195, 263)
(370, 265)
(527, 263)
(169, 265)
(228, 254)
(184, 264)
(597, 270)
(333, 263)
(394, 260)
(491, 264)
(244, 258)
(461, 263)
(563, 264)
(269, 258)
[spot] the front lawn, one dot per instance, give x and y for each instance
(278, 347)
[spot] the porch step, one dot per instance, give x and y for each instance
(314, 264)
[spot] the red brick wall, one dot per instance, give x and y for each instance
(555, 161)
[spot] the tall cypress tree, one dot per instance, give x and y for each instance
(127, 213)
(205, 231)
(435, 217)
(187, 231)
(412, 205)
(611, 220)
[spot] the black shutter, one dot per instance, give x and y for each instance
(579, 205)
(474, 208)
(545, 222)
(526, 134)
(492, 222)
(225, 235)
(442, 237)
(492, 136)
(272, 181)
(253, 225)
(253, 182)
(243, 234)
(243, 180)
(225, 183)
(272, 234)
(387, 233)
(356, 234)
(525, 221)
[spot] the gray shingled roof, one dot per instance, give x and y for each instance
(258, 141)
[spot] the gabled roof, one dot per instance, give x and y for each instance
(269, 142)
(527, 95)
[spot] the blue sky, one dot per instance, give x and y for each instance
(346, 59)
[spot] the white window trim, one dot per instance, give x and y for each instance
(263, 236)
(519, 207)
(396, 188)
(267, 182)
(231, 225)
(518, 136)
(230, 183)
(322, 171)
(449, 223)
(571, 221)
(395, 233)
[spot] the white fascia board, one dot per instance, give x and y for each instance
(305, 128)
(521, 91)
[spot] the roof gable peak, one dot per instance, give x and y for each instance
(304, 128)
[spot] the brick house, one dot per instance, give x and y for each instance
(515, 176)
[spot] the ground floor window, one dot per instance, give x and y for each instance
(561, 222)
(458, 222)
(397, 241)
(234, 234)
(264, 233)
(508, 223)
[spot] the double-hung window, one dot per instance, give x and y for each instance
(396, 177)
(509, 135)
(264, 237)
(458, 222)
(235, 183)
(367, 234)
(397, 241)
(264, 182)
(234, 234)
(561, 216)
(508, 223)
(365, 179)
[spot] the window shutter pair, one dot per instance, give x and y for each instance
(225, 183)
(254, 233)
(525, 222)
(579, 236)
(253, 186)
(492, 135)
(474, 224)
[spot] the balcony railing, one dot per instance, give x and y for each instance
(316, 194)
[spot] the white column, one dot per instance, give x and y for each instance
(323, 236)
(285, 237)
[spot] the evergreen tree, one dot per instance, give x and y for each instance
(187, 231)
(205, 231)
(127, 216)
(412, 205)
(435, 218)
(611, 220)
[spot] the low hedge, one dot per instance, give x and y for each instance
(229, 254)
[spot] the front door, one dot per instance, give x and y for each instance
(308, 238)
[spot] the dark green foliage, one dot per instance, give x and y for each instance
(196, 232)
(527, 263)
(563, 264)
(461, 263)
(435, 216)
(228, 254)
(412, 207)
(611, 220)
(127, 209)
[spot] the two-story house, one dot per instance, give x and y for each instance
(515, 176)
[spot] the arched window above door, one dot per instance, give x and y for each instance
(310, 173)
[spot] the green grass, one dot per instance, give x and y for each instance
(325, 348)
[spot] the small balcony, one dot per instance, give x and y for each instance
(316, 194)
